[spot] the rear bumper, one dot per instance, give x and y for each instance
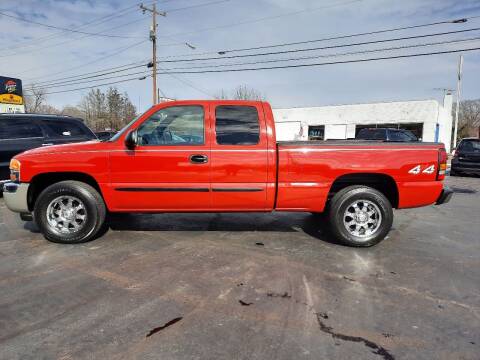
(463, 168)
(445, 196)
(466, 166)
(15, 196)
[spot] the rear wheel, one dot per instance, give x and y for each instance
(70, 212)
(360, 216)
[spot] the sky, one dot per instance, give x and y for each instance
(42, 55)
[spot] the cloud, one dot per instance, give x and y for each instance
(38, 54)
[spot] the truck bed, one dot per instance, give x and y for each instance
(308, 170)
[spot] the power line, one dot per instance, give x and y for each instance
(99, 73)
(264, 18)
(284, 67)
(168, 11)
(144, 72)
(103, 20)
(71, 40)
(116, 52)
(190, 84)
(452, 21)
(65, 29)
(456, 21)
(271, 53)
(325, 63)
(137, 65)
(94, 86)
(97, 22)
(403, 47)
(322, 48)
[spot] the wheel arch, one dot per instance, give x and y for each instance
(41, 181)
(379, 181)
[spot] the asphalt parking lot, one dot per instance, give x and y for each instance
(246, 286)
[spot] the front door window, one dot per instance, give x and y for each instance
(176, 125)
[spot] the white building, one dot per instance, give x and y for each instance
(428, 119)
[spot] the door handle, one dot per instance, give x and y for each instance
(47, 144)
(198, 159)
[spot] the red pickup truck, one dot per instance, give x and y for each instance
(222, 156)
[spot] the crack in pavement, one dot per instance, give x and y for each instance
(376, 349)
(160, 328)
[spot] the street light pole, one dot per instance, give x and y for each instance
(153, 39)
(459, 89)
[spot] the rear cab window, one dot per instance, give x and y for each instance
(470, 145)
(237, 125)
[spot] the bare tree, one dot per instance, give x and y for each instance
(110, 110)
(73, 111)
(469, 118)
(242, 92)
(35, 97)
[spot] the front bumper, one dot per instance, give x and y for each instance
(15, 196)
(445, 196)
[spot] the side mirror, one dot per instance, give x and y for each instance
(131, 140)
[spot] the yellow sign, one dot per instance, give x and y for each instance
(11, 99)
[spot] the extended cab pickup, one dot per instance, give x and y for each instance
(222, 156)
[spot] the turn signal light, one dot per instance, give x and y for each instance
(15, 165)
(15, 170)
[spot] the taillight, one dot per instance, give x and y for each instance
(442, 163)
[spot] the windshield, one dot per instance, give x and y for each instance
(121, 132)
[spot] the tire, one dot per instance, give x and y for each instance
(371, 223)
(453, 172)
(77, 221)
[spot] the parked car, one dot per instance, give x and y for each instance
(386, 134)
(20, 132)
(222, 156)
(104, 135)
(466, 159)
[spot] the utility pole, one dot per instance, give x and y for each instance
(459, 89)
(153, 39)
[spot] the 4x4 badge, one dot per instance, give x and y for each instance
(417, 169)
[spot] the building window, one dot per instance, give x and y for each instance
(316, 132)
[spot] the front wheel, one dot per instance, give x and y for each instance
(69, 212)
(360, 216)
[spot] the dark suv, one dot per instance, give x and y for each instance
(386, 134)
(467, 157)
(21, 132)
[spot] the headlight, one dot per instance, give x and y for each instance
(15, 170)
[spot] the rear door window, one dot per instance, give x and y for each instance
(59, 128)
(237, 125)
(19, 129)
